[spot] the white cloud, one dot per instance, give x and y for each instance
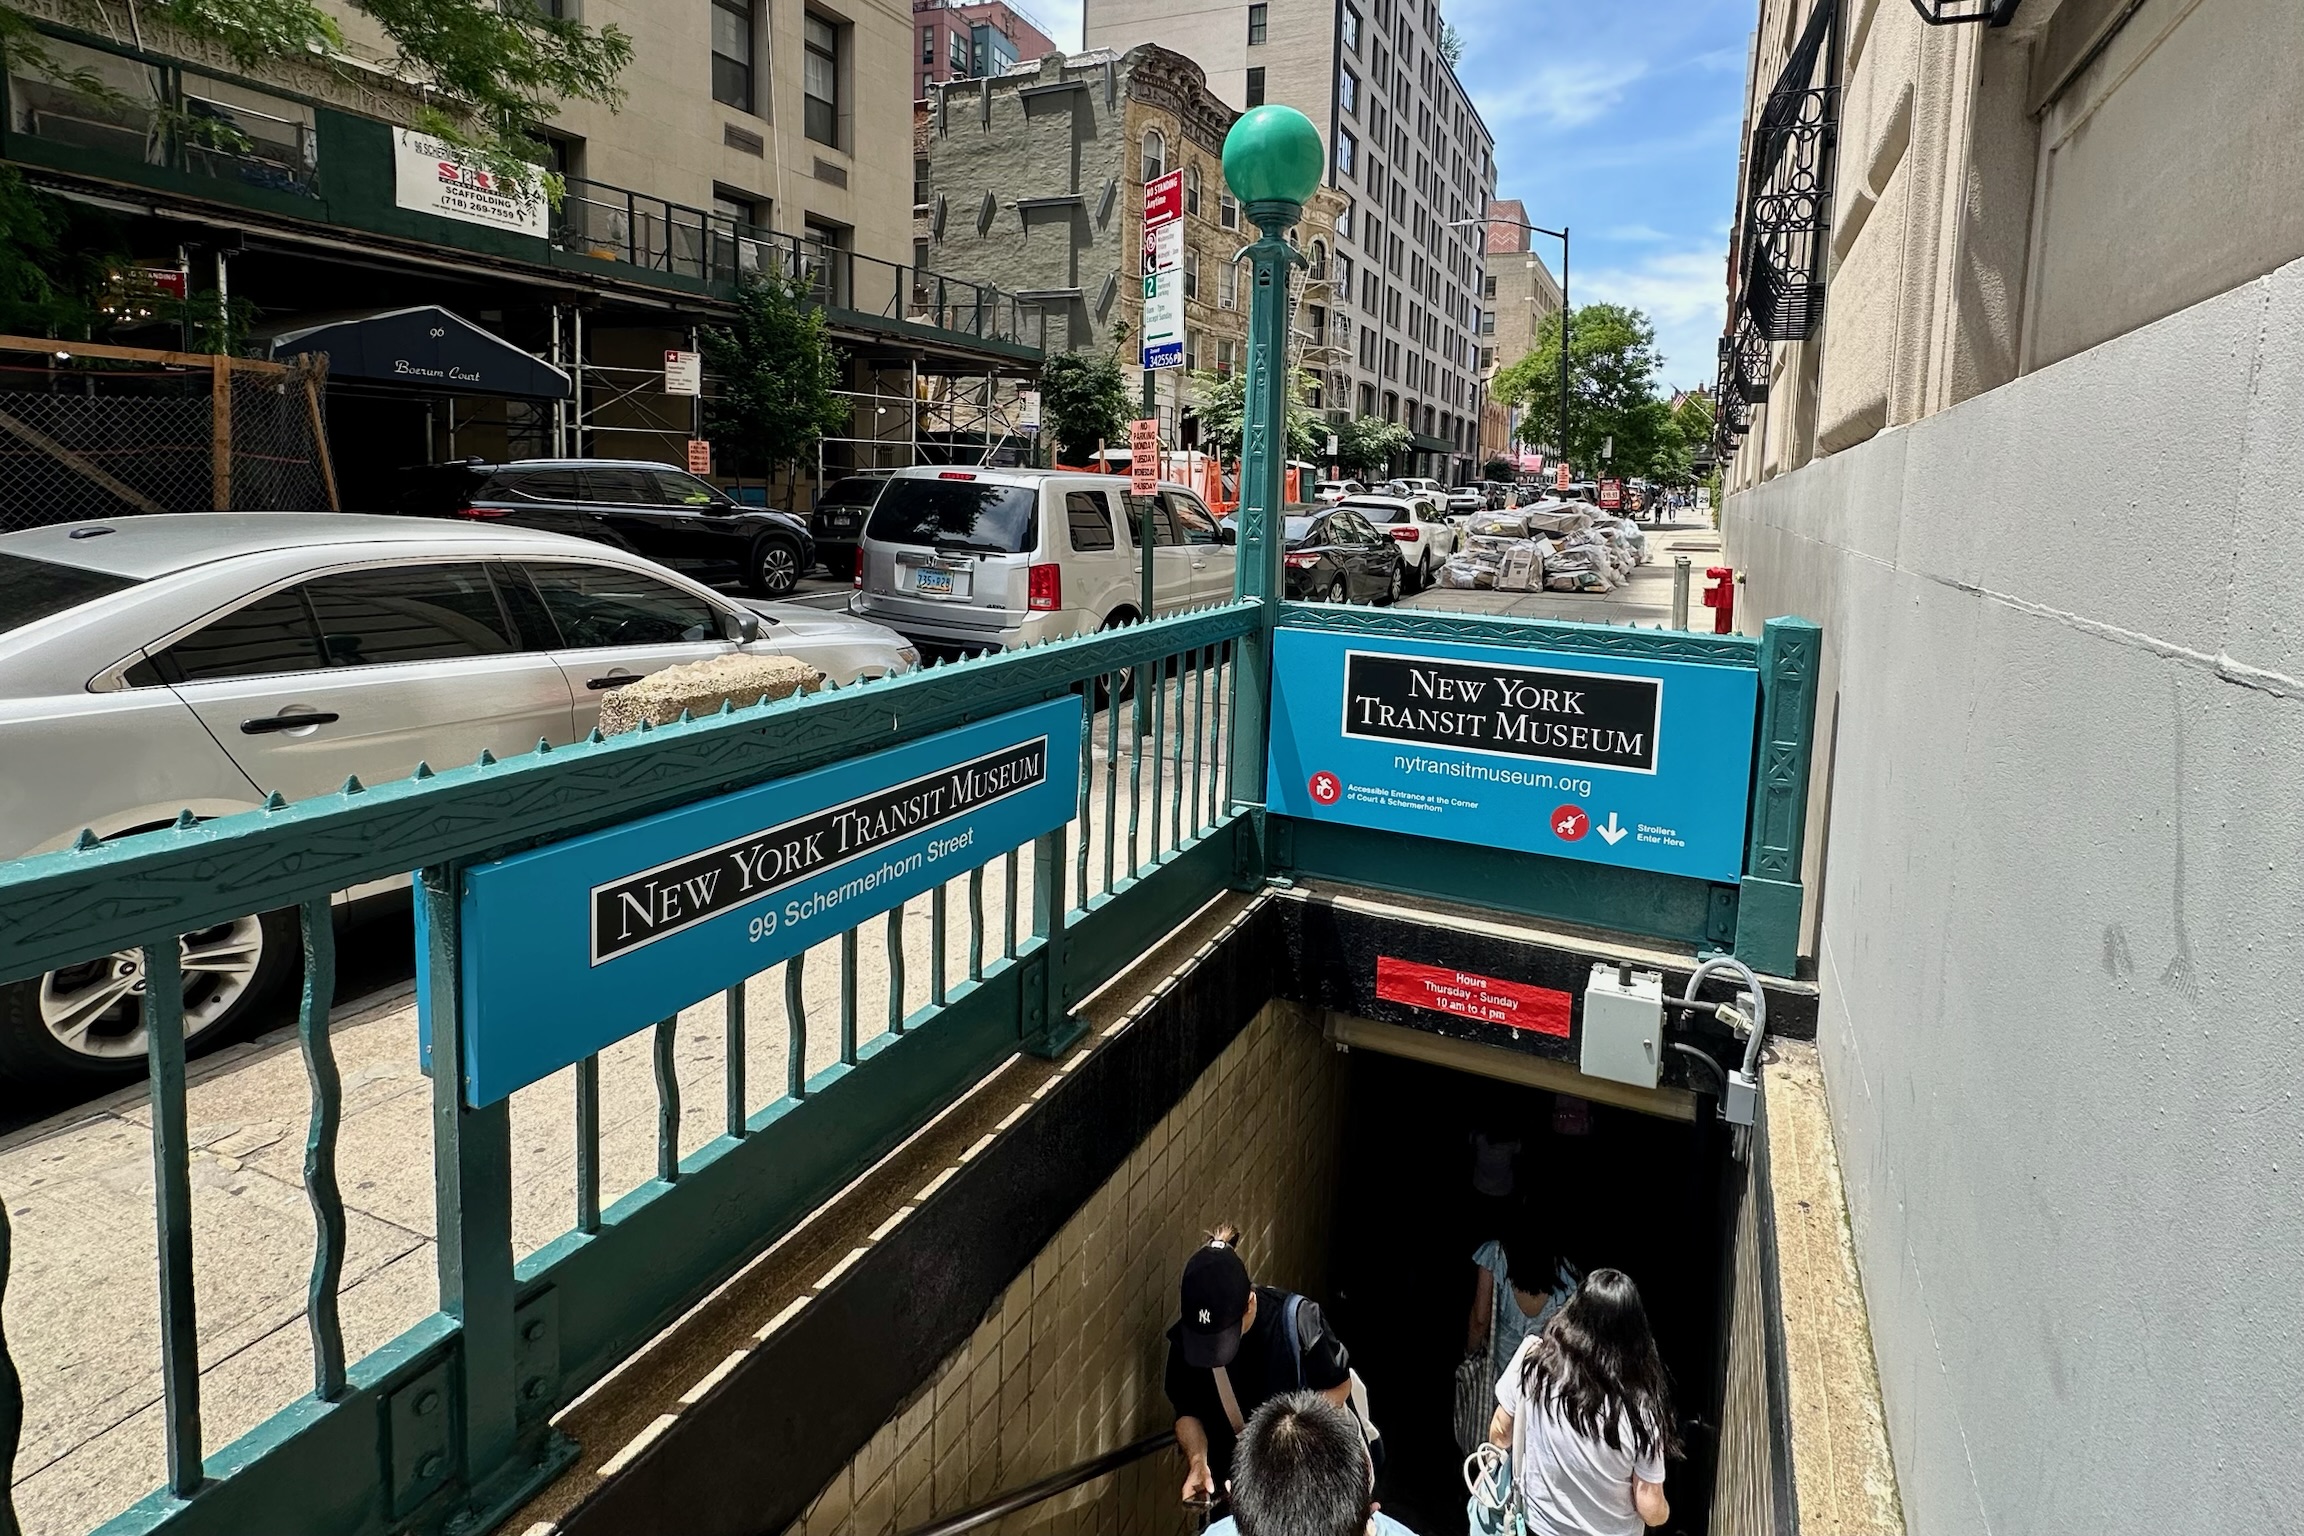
(1685, 292)
(1061, 20)
(1562, 94)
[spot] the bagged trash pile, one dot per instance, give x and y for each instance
(1555, 546)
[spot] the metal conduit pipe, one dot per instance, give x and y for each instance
(1047, 1488)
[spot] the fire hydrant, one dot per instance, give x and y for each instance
(1720, 597)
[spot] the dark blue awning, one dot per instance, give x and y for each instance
(428, 349)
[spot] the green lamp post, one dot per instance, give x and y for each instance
(1273, 161)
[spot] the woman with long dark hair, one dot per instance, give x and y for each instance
(1586, 1410)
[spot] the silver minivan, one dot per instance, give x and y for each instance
(971, 560)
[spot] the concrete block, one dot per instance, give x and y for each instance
(701, 687)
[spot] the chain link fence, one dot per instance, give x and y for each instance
(126, 435)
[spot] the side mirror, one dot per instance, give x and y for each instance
(1227, 535)
(747, 628)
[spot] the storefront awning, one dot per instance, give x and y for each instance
(426, 349)
(1425, 442)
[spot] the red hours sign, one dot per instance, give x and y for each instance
(1164, 199)
(1611, 493)
(1560, 477)
(1466, 995)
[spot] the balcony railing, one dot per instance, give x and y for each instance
(617, 224)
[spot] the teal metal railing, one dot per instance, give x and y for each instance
(447, 1426)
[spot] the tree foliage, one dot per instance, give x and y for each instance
(1224, 400)
(500, 70)
(778, 378)
(1366, 445)
(1451, 44)
(1499, 469)
(1613, 366)
(1083, 404)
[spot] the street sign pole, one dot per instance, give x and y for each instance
(1162, 346)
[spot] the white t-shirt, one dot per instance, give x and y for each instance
(1569, 1485)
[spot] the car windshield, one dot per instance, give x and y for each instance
(958, 514)
(855, 491)
(1298, 529)
(32, 590)
(1379, 511)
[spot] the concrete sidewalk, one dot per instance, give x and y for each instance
(1645, 600)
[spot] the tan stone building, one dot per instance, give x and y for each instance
(1035, 181)
(2013, 397)
(1518, 292)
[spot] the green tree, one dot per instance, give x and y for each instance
(778, 378)
(1083, 404)
(1499, 469)
(1613, 364)
(498, 70)
(1224, 399)
(1451, 44)
(1366, 445)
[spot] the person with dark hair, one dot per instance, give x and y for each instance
(1586, 1411)
(1302, 1469)
(1237, 1345)
(1523, 1279)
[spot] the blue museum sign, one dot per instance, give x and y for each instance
(1641, 763)
(572, 947)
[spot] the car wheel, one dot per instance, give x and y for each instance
(1336, 592)
(1399, 580)
(1424, 573)
(773, 568)
(85, 1023)
(1106, 690)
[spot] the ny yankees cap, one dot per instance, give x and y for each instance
(1215, 1300)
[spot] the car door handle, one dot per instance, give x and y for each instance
(266, 724)
(599, 683)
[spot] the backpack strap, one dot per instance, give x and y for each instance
(1295, 1339)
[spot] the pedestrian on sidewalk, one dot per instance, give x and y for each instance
(1303, 1469)
(1586, 1411)
(1236, 1346)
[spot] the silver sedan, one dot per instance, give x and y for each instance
(150, 665)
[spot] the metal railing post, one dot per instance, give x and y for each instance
(472, 1184)
(1770, 896)
(1679, 591)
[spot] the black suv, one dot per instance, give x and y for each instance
(665, 514)
(839, 520)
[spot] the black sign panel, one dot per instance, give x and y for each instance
(1598, 719)
(656, 903)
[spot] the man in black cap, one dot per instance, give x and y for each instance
(1236, 1345)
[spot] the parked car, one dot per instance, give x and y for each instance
(1414, 490)
(971, 560)
(665, 514)
(1338, 556)
(838, 524)
(1425, 537)
(1337, 490)
(204, 660)
(1465, 500)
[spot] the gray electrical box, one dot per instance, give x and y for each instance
(1624, 1025)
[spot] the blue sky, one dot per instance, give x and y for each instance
(1619, 118)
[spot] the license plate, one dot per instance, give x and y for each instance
(839, 522)
(929, 582)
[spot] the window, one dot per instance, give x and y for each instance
(1367, 399)
(1227, 211)
(920, 172)
(739, 209)
(1155, 156)
(1319, 261)
(409, 613)
(1256, 85)
(597, 605)
(1347, 151)
(1256, 15)
(1192, 190)
(1351, 30)
(1488, 288)
(1090, 517)
(34, 589)
(272, 634)
(1191, 274)
(970, 514)
(820, 79)
(1343, 272)
(927, 45)
(732, 53)
(960, 63)
(1187, 522)
(683, 489)
(1348, 91)
(1224, 354)
(1228, 285)
(1344, 221)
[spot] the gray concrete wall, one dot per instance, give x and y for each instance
(2062, 915)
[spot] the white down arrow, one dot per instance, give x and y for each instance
(1615, 832)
